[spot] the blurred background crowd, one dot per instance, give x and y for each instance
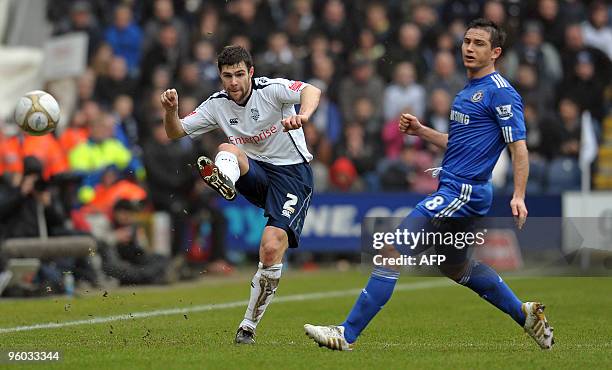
(373, 60)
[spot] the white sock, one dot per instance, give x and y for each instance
(263, 287)
(228, 164)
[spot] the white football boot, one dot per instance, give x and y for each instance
(331, 337)
(536, 325)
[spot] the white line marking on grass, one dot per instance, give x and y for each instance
(221, 306)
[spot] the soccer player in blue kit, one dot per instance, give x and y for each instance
(486, 116)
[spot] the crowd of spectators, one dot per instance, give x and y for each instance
(372, 60)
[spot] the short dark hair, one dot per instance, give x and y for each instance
(498, 36)
(232, 55)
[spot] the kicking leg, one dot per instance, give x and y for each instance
(232, 161)
(222, 174)
(274, 243)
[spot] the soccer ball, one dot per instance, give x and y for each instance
(37, 113)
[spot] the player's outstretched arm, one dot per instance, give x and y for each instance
(172, 123)
(520, 166)
(309, 101)
(411, 125)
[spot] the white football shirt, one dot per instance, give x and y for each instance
(255, 127)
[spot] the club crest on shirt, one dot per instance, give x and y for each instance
(254, 114)
(504, 112)
(478, 95)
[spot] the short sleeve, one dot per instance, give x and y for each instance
(200, 121)
(287, 91)
(507, 108)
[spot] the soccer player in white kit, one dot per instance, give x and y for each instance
(265, 159)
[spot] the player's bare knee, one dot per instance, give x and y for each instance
(389, 252)
(271, 252)
(273, 246)
(243, 161)
(226, 147)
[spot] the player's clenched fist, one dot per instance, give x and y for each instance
(294, 122)
(169, 100)
(409, 124)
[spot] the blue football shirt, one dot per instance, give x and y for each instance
(486, 115)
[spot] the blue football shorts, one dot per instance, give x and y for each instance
(284, 192)
(454, 207)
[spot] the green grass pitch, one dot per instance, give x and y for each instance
(428, 324)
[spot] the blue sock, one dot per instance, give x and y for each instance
(483, 280)
(370, 301)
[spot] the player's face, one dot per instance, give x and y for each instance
(236, 81)
(477, 51)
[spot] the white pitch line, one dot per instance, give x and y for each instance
(220, 306)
